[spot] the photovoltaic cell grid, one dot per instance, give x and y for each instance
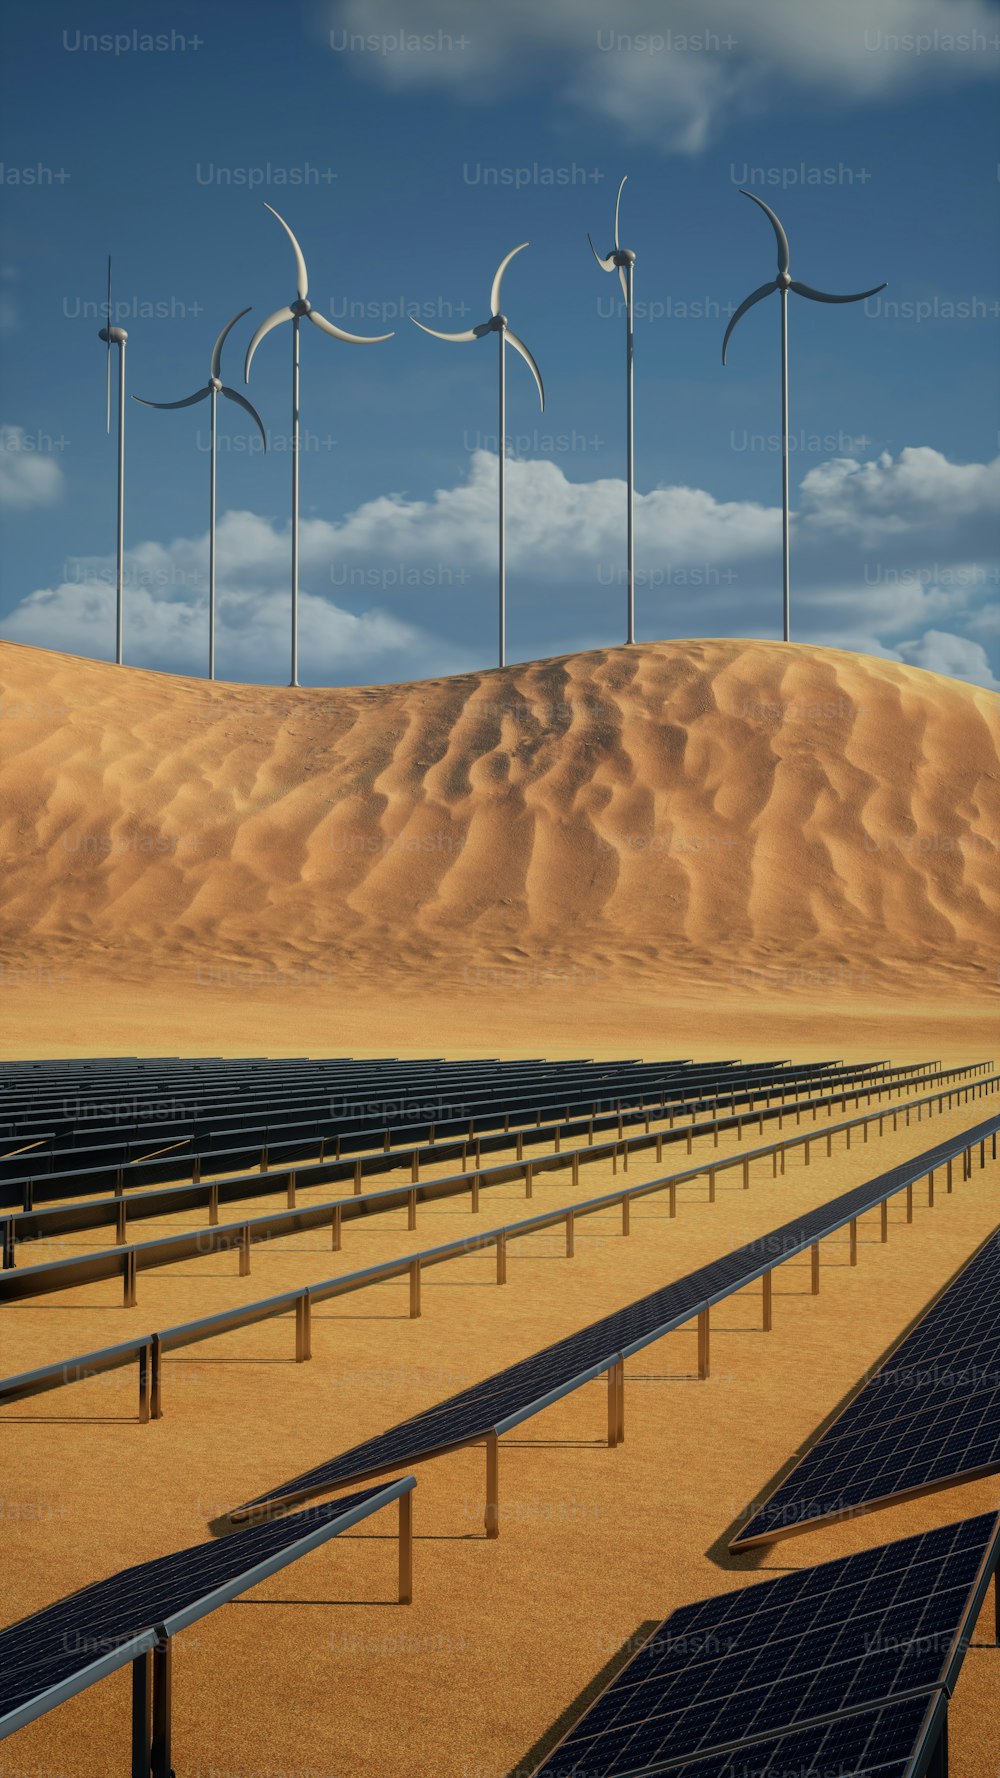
(500, 1402)
(931, 1413)
(838, 1663)
(57, 1646)
(876, 1743)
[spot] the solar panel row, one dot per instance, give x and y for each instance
(504, 1400)
(841, 1667)
(60, 1651)
(97, 1211)
(930, 1414)
(37, 1167)
(70, 1272)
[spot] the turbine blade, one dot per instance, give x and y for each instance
(519, 346)
(756, 297)
(606, 265)
(617, 207)
(823, 296)
(623, 280)
(353, 339)
(782, 238)
(300, 264)
(241, 401)
(189, 400)
(216, 370)
(274, 320)
(498, 279)
(474, 333)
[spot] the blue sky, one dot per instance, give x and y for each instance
(410, 149)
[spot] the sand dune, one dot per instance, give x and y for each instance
(679, 811)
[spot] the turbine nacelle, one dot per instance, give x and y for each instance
(114, 336)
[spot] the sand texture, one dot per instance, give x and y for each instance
(736, 814)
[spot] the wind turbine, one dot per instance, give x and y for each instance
(623, 260)
(212, 390)
(499, 325)
(784, 283)
(294, 313)
(116, 336)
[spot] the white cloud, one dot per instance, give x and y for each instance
(29, 475)
(673, 77)
(888, 497)
(556, 525)
(955, 656)
(405, 588)
(166, 621)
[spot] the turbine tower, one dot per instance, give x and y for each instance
(116, 336)
(498, 324)
(784, 283)
(294, 313)
(622, 260)
(212, 390)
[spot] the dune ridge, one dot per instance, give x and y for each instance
(709, 811)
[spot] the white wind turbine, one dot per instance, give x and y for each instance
(499, 325)
(117, 336)
(294, 313)
(622, 260)
(784, 283)
(212, 390)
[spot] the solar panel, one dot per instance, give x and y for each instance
(879, 1743)
(930, 1414)
(61, 1650)
(822, 1654)
(504, 1400)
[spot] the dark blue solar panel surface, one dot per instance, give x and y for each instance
(65, 1638)
(499, 1399)
(931, 1412)
(875, 1743)
(768, 1659)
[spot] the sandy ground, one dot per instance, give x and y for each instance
(712, 815)
(502, 1638)
(698, 849)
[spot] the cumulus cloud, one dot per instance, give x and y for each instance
(29, 474)
(166, 621)
(557, 525)
(404, 588)
(672, 78)
(892, 497)
(956, 656)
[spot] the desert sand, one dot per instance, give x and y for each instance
(710, 819)
(698, 848)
